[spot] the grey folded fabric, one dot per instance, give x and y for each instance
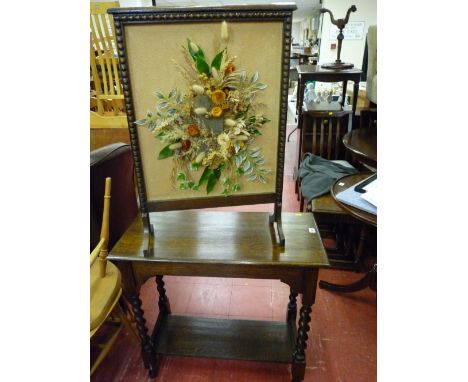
(317, 175)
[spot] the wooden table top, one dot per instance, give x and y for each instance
(343, 184)
(362, 143)
(317, 69)
(215, 237)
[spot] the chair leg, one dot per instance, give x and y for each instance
(105, 350)
(125, 321)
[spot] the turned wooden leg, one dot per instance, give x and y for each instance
(298, 366)
(147, 352)
(292, 306)
(362, 245)
(163, 302)
(373, 278)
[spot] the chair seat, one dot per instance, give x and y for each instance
(104, 293)
(326, 204)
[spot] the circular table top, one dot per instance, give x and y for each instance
(343, 184)
(363, 144)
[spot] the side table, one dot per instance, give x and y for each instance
(223, 244)
(316, 73)
(370, 279)
(362, 143)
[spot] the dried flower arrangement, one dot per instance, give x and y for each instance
(213, 125)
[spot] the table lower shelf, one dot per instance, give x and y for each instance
(270, 341)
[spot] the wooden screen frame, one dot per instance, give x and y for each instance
(156, 15)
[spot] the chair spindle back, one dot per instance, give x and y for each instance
(324, 137)
(103, 57)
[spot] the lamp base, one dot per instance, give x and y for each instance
(337, 66)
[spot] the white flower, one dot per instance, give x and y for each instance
(229, 122)
(224, 32)
(223, 139)
(200, 111)
(198, 89)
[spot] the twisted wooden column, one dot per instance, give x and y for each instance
(163, 302)
(298, 366)
(309, 284)
(292, 306)
(147, 352)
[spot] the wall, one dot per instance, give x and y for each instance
(296, 32)
(352, 50)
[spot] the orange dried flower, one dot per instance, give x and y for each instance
(218, 96)
(193, 130)
(216, 111)
(185, 144)
(229, 69)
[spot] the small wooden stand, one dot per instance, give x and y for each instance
(340, 23)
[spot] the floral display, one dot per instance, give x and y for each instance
(209, 129)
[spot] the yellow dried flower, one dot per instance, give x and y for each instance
(216, 111)
(218, 97)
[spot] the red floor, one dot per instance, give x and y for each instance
(342, 343)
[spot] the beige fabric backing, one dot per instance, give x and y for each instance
(150, 48)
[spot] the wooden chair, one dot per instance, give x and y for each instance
(368, 118)
(323, 133)
(106, 89)
(115, 161)
(105, 287)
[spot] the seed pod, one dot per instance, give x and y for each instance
(229, 122)
(174, 146)
(242, 138)
(224, 32)
(194, 47)
(198, 89)
(200, 111)
(199, 157)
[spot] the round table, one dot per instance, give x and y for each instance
(345, 183)
(370, 279)
(362, 143)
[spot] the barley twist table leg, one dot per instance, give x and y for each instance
(292, 306)
(163, 302)
(147, 352)
(298, 366)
